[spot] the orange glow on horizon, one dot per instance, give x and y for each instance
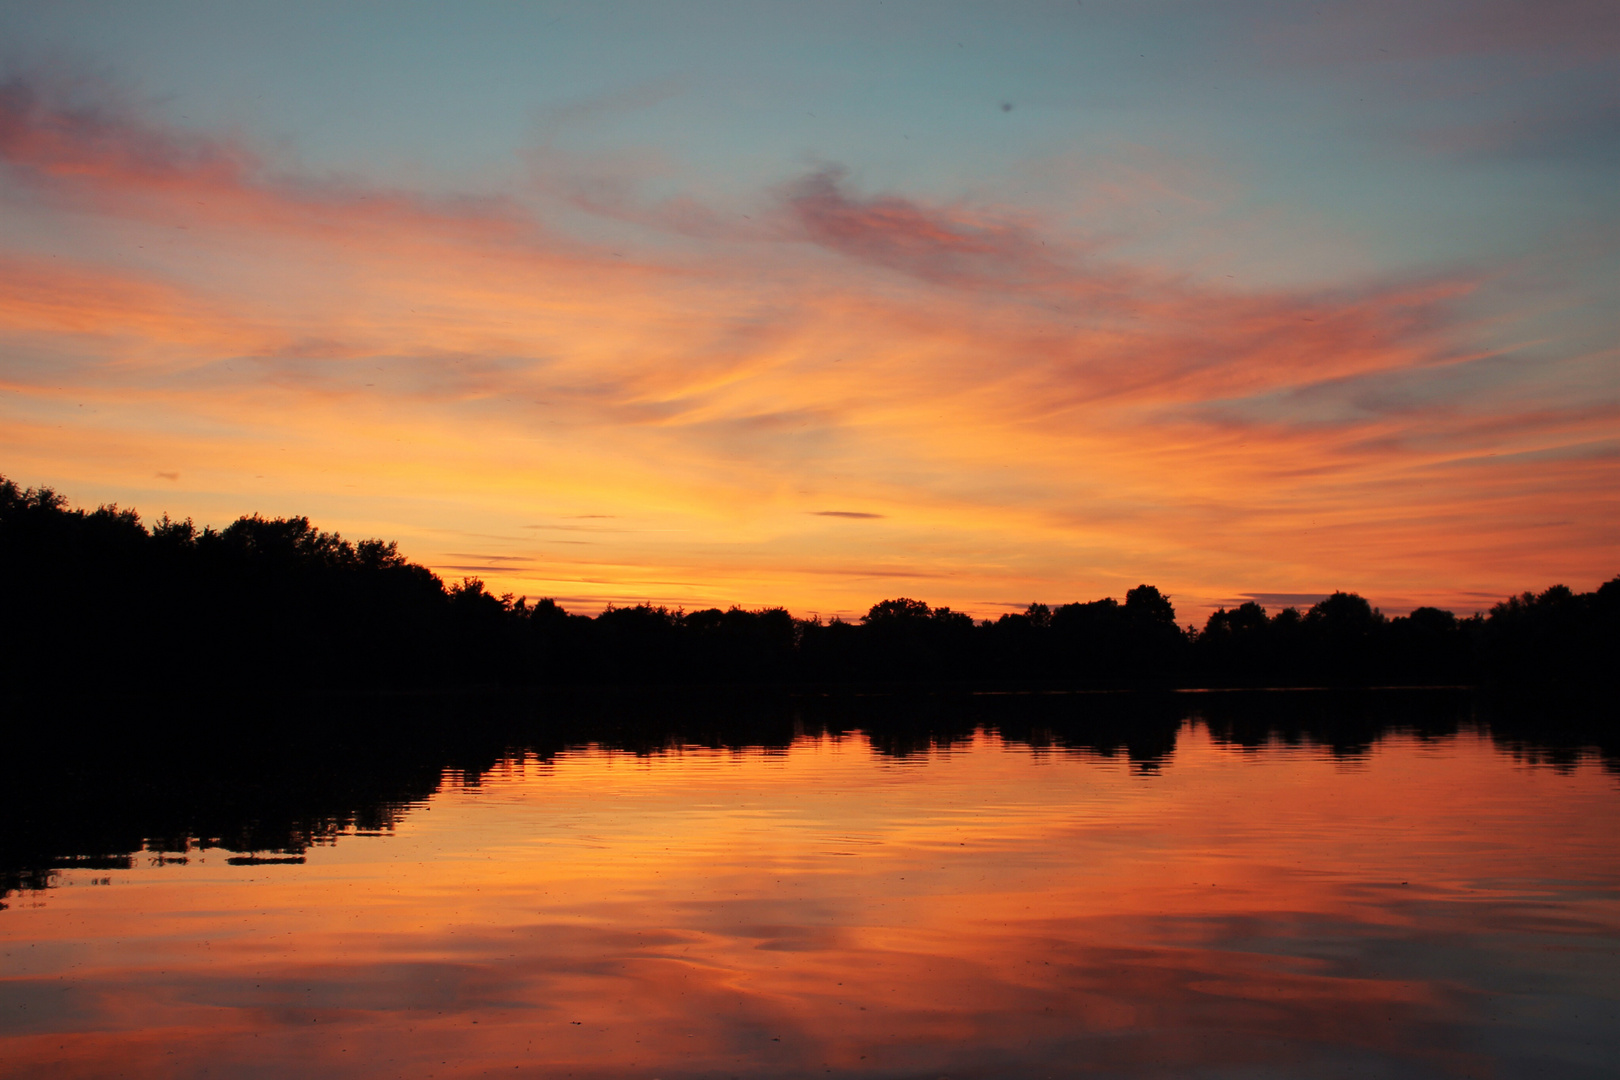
(990, 419)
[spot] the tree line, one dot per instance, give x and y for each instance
(96, 600)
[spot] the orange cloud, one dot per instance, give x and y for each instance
(1018, 413)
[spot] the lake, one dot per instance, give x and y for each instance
(1192, 895)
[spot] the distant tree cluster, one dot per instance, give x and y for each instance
(96, 600)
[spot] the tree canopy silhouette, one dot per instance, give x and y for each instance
(97, 600)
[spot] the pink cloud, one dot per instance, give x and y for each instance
(1007, 409)
(902, 235)
(92, 142)
(109, 158)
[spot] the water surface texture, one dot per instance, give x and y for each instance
(1426, 906)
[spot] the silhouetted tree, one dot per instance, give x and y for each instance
(95, 600)
(1566, 638)
(1239, 647)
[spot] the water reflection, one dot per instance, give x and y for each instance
(985, 887)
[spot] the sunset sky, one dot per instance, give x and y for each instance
(813, 305)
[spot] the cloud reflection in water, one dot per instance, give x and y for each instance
(1428, 908)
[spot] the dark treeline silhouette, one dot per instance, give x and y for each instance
(95, 600)
(183, 778)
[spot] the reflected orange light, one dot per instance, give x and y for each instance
(826, 908)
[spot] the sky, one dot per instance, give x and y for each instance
(812, 305)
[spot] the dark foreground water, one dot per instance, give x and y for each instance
(1414, 904)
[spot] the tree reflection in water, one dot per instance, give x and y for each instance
(99, 788)
(873, 886)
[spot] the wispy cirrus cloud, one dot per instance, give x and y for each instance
(89, 148)
(930, 243)
(1014, 406)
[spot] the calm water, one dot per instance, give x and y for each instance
(1425, 907)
